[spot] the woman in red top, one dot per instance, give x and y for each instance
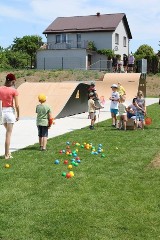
(9, 98)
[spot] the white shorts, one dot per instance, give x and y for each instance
(8, 115)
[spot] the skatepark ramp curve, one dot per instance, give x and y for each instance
(69, 98)
(64, 98)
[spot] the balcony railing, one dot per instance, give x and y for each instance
(65, 45)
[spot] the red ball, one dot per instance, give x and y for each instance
(68, 175)
(65, 161)
(148, 121)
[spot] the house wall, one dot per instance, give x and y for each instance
(122, 33)
(61, 59)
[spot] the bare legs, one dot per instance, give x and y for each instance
(9, 128)
(114, 119)
(43, 142)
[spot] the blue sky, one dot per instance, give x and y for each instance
(31, 17)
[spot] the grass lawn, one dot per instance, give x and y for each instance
(115, 197)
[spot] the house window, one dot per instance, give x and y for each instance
(58, 38)
(124, 41)
(61, 38)
(116, 38)
(64, 38)
(78, 40)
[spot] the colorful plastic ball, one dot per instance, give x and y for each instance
(68, 175)
(76, 164)
(60, 151)
(74, 154)
(76, 150)
(68, 143)
(70, 166)
(68, 147)
(63, 151)
(65, 161)
(95, 153)
(77, 158)
(78, 161)
(82, 146)
(103, 155)
(7, 165)
(56, 161)
(148, 120)
(92, 152)
(71, 173)
(100, 145)
(63, 174)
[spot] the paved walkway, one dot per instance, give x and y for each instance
(25, 131)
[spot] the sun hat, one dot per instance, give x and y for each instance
(10, 77)
(114, 86)
(42, 97)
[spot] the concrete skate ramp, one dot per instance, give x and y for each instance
(65, 98)
(130, 81)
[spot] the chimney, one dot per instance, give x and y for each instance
(98, 14)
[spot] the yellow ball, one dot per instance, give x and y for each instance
(71, 173)
(70, 166)
(7, 166)
(76, 150)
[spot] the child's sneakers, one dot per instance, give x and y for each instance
(91, 127)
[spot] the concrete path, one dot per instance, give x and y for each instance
(25, 131)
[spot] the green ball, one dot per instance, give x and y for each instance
(103, 155)
(63, 174)
(75, 164)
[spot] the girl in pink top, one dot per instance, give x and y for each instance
(9, 98)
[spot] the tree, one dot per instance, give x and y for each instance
(28, 45)
(144, 51)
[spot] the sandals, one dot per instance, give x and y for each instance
(9, 156)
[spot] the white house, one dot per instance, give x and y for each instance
(69, 40)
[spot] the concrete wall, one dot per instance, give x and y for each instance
(61, 59)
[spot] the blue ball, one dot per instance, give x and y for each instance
(100, 145)
(68, 143)
(78, 160)
(56, 161)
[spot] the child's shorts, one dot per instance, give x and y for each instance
(114, 111)
(92, 115)
(140, 116)
(8, 115)
(42, 131)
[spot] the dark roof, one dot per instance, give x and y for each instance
(92, 23)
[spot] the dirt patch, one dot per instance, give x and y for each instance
(155, 163)
(153, 86)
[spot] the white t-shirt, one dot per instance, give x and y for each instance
(122, 109)
(114, 104)
(91, 105)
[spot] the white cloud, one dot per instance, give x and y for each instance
(143, 16)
